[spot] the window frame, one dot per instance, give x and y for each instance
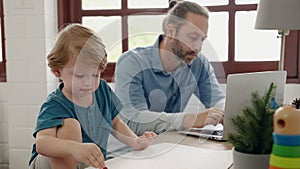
(3, 63)
(70, 11)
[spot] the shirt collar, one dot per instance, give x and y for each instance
(156, 62)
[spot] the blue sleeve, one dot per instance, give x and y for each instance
(130, 86)
(52, 114)
(209, 91)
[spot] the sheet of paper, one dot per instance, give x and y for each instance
(172, 156)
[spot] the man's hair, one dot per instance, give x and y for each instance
(172, 4)
(178, 11)
(76, 42)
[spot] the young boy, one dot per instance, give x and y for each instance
(74, 123)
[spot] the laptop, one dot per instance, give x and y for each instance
(238, 95)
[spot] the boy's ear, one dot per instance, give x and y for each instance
(56, 72)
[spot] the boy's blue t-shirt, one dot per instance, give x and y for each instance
(57, 108)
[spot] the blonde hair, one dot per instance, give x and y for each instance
(77, 42)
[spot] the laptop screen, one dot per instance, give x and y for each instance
(239, 88)
(238, 95)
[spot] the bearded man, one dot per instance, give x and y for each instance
(156, 82)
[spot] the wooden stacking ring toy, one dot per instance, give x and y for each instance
(286, 140)
(285, 162)
(286, 151)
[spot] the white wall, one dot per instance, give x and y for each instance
(30, 28)
(3, 128)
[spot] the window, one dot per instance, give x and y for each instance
(233, 45)
(2, 47)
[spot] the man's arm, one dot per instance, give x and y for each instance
(129, 88)
(158, 122)
(209, 91)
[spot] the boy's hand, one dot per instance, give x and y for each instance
(90, 154)
(143, 141)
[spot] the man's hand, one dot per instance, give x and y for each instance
(208, 116)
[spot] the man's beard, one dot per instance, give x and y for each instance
(178, 50)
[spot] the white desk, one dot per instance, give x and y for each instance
(174, 137)
(171, 150)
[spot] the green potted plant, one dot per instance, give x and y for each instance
(253, 140)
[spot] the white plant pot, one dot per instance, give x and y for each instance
(250, 161)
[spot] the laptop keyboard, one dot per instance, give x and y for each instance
(206, 131)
